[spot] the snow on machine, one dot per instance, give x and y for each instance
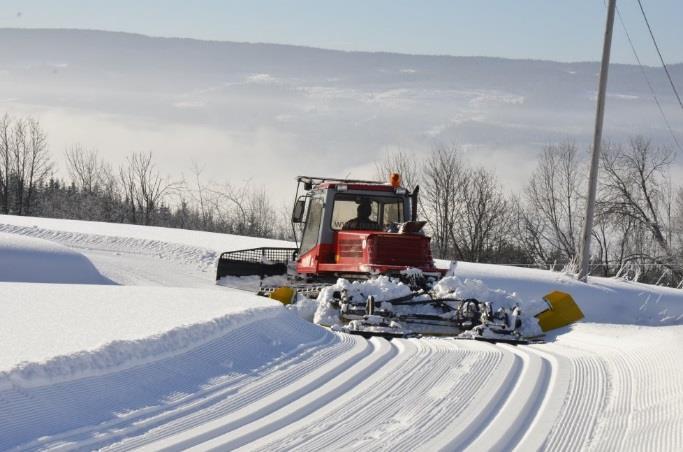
(368, 232)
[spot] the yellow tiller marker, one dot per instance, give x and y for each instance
(284, 295)
(562, 311)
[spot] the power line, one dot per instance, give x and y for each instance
(647, 80)
(666, 69)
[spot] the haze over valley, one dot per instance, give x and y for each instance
(265, 113)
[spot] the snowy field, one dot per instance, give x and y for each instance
(116, 337)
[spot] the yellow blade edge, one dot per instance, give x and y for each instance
(562, 311)
(284, 295)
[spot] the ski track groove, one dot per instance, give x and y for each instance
(228, 434)
(467, 381)
(552, 400)
(497, 379)
(236, 400)
(357, 407)
(431, 416)
(622, 377)
(251, 396)
(633, 372)
(73, 397)
(509, 424)
(585, 399)
(407, 350)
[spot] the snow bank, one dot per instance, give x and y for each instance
(602, 300)
(91, 413)
(190, 248)
(77, 231)
(28, 259)
(57, 332)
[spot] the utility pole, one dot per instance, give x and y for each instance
(597, 139)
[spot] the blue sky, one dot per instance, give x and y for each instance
(539, 29)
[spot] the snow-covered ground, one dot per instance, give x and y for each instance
(35, 260)
(155, 355)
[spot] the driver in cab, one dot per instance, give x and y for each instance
(362, 220)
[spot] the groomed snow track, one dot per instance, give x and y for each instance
(300, 396)
(317, 390)
(301, 387)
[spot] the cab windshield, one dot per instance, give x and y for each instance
(361, 212)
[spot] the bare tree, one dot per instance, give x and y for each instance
(97, 185)
(244, 210)
(637, 194)
(39, 164)
(552, 195)
(110, 194)
(19, 152)
(635, 185)
(528, 231)
(127, 176)
(230, 207)
(151, 187)
(678, 212)
(30, 162)
(467, 212)
(84, 168)
(678, 224)
(261, 215)
(443, 176)
(201, 197)
(283, 222)
(6, 163)
(482, 223)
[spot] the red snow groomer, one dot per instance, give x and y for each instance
(349, 228)
(358, 230)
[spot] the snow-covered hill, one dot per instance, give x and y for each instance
(164, 358)
(244, 106)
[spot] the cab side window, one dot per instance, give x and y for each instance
(310, 237)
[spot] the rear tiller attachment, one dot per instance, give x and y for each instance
(420, 313)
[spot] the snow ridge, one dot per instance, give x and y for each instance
(34, 260)
(90, 413)
(120, 355)
(203, 258)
